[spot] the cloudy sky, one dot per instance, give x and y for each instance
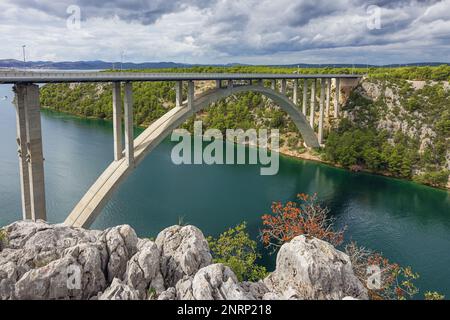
(225, 31)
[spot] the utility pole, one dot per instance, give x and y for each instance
(121, 59)
(23, 52)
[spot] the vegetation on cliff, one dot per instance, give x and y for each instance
(235, 249)
(405, 134)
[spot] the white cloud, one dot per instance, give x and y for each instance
(222, 31)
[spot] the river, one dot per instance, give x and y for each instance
(409, 223)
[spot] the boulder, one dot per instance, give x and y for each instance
(118, 290)
(309, 268)
(169, 294)
(121, 243)
(217, 282)
(143, 272)
(184, 250)
(257, 290)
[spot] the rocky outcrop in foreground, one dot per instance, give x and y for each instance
(43, 261)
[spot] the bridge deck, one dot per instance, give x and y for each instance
(10, 77)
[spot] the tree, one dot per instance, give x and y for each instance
(302, 217)
(235, 249)
(433, 296)
(395, 282)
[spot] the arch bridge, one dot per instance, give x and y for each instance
(128, 155)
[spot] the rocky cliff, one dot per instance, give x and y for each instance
(43, 261)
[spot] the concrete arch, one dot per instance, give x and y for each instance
(96, 197)
(208, 98)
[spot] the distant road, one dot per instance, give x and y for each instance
(58, 77)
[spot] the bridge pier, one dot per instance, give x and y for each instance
(230, 85)
(117, 121)
(295, 92)
(328, 101)
(129, 136)
(305, 96)
(283, 87)
(274, 84)
(336, 97)
(30, 151)
(22, 151)
(191, 92)
(313, 103)
(179, 93)
(321, 109)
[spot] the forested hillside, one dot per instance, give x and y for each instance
(397, 122)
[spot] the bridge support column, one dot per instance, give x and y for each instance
(261, 82)
(322, 102)
(230, 84)
(274, 84)
(22, 151)
(295, 92)
(327, 110)
(218, 84)
(179, 93)
(129, 136)
(336, 97)
(283, 87)
(305, 96)
(30, 150)
(313, 103)
(117, 121)
(191, 91)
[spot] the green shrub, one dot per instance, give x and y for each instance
(434, 178)
(235, 249)
(433, 296)
(3, 239)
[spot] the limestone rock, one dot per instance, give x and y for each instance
(43, 261)
(313, 269)
(217, 282)
(169, 294)
(143, 271)
(119, 291)
(121, 243)
(184, 289)
(184, 250)
(256, 290)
